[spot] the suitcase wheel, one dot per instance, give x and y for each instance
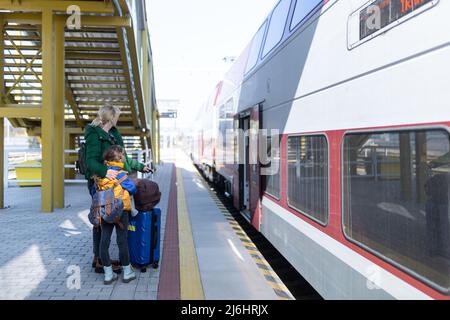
(155, 265)
(143, 270)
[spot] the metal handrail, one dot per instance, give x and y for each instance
(142, 155)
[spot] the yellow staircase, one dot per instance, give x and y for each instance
(60, 61)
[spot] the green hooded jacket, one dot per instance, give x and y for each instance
(97, 142)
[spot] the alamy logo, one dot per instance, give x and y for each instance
(74, 20)
(74, 279)
(373, 275)
(252, 146)
(374, 20)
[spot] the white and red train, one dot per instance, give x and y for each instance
(359, 91)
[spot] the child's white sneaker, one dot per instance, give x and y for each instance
(110, 276)
(128, 274)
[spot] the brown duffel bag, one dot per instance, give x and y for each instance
(147, 195)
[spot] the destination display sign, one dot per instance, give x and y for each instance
(168, 114)
(382, 13)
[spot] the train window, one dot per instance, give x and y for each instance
(308, 176)
(396, 199)
(276, 27)
(255, 48)
(272, 181)
(225, 126)
(302, 9)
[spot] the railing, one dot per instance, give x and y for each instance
(14, 157)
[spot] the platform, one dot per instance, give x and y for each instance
(205, 254)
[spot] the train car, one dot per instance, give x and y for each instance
(205, 133)
(358, 91)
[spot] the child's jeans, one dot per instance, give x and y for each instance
(122, 242)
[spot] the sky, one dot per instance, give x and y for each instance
(189, 40)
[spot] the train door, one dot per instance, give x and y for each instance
(254, 168)
(237, 164)
(245, 169)
(246, 181)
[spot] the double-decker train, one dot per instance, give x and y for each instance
(359, 93)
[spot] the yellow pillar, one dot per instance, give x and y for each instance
(145, 75)
(154, 136)
(2, 120)
(146, 90)
(58, 177)
(2, 162)
(48, 110)
(158, 138)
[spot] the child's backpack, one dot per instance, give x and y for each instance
(105, 206)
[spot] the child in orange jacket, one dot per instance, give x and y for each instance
(123, 188)
(114, 159)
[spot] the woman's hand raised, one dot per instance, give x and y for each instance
(147, 169)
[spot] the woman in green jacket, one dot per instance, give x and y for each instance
(99, 136)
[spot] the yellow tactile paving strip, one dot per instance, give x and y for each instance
(190, 281)
(264, 267)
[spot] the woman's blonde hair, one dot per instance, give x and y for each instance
(105, 115)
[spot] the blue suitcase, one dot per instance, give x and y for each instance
(144, 232)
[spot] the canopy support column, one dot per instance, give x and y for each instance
(58, 200)
(2, 120)
(48, 110)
